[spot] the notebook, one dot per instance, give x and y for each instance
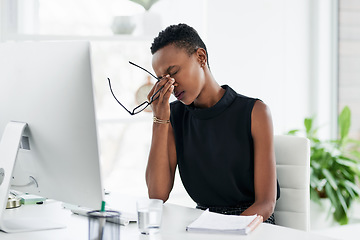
(220, 223)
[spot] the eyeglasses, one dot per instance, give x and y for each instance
(143, 105)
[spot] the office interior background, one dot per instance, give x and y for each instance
(300, 57)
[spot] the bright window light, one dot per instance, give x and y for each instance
(82, 17)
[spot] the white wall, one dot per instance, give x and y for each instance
(324, 66)
(261, 48)
(349, 58)
(1, 20)
(278, 51)
(8, 22)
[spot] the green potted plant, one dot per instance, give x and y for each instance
(147, 4)
(334, 167)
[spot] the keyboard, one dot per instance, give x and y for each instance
(125, 217)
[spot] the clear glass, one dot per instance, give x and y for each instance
(104, 225)
(149, 215)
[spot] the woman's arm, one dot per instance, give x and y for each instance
(264, 162)
(160, 170)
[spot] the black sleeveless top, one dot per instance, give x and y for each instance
(215, 152)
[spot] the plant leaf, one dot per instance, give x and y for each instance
(348, 174)
(308, 124)
(342, 201)
(350, 191)
(340, 216)
(332, 196)
(293, 132)
(344, 122)
(346, 162)
(353, 186)
(353, 141)
(330, 178)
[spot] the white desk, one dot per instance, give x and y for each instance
(346, 232)
(175, 219)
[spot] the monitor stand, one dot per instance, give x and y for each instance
(9, 147)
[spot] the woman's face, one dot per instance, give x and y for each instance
(186, 70)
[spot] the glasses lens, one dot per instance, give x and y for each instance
(141, 107)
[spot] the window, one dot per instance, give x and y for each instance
(124, 139)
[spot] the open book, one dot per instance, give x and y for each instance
(215, 222)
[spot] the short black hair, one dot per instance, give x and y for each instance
(182, 36)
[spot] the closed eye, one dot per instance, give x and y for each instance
(173, 70)
(172, 74)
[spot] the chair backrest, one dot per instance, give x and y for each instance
(293, 173)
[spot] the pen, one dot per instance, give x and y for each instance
(257, 220)
(102, 221)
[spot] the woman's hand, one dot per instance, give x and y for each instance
(161, 106)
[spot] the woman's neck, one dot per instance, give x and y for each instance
(211, 93)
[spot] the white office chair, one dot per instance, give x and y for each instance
(293, 173)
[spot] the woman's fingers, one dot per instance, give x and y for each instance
(162, 89)
(155, 88)
(160, 95)
(167, 90)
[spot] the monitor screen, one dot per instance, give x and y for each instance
(48, 86)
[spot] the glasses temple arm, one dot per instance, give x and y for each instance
(144, 70)
(116, 98)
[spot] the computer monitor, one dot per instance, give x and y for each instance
(47, 105)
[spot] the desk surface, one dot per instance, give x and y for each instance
(175, 220)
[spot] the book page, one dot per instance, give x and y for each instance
(221, 222)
